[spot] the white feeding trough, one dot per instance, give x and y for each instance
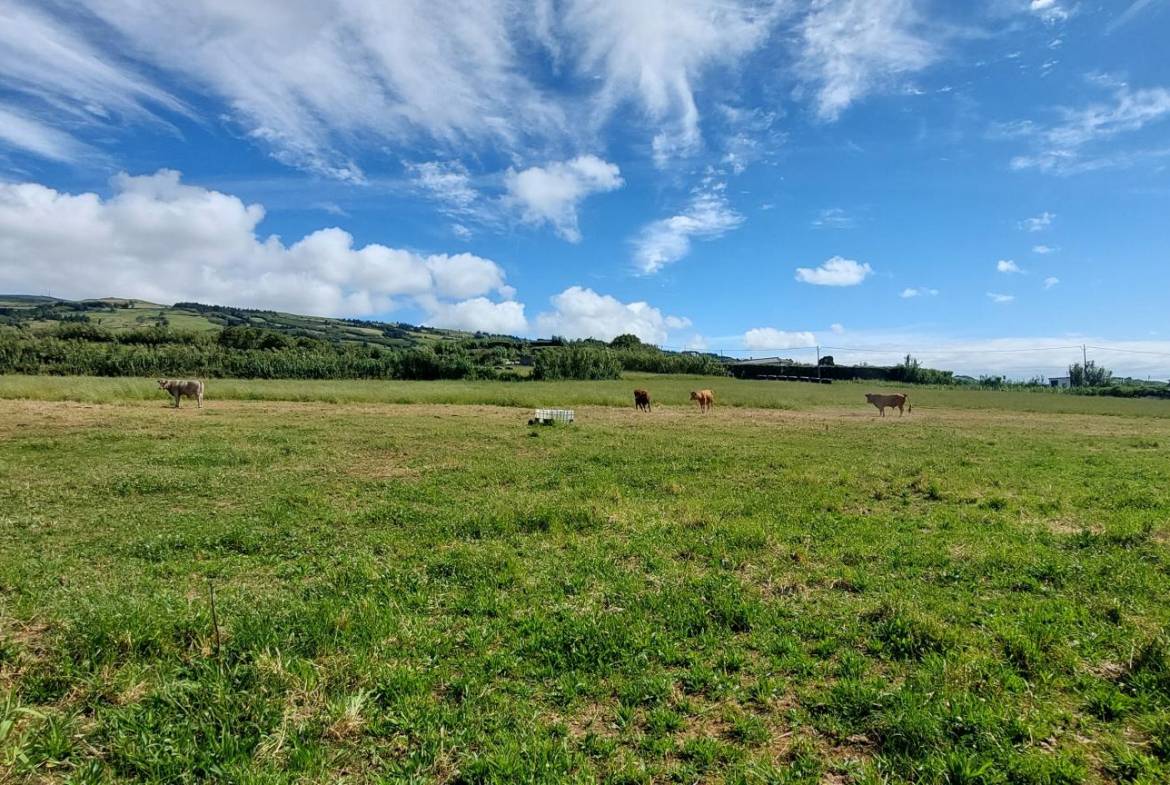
(551, 416)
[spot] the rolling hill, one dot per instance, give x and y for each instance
(118, 314)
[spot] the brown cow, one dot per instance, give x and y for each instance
(642, 400)
(896, 401)
(706, 399)
(192, 388)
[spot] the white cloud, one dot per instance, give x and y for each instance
(464, 275)
(918, 292)
(854, 47)
(696, 343)
(1075, 144)
(666, 241)
(70, 82)
(1039, 223)
(833, 218)
(158, 239)
(1016, 356)
(1007, 266)
(551, 194)
(448, 182)
(835, 272)
(312, 81)
(652, 52)
(1044, 249)
(761, 338)
(479, 314)
(26, 133)
(1051, 281)
(583, 313)
(1048, 10)
(837, 328)
(1000, 299)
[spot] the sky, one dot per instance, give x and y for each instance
(985, 185)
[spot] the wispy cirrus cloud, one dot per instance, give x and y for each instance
(1038, 223)
(918, 291)
(708, 215)
(850, 48)
(834, 218)
(1075, 143)
(653, 53)
(1000, 298)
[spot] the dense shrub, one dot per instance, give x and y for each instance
(577, 362)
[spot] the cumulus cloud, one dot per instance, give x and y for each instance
(769, 338)
(666, 241)
(919, 291)
(837, 328)
(158, 239)
(1000, 299)
(835, 272)
(479, 314)
(1051, 281)
(1007, 266)
(850, 48)
(1044, 249)
(583, 313)
(1038, 223)
(551, 194)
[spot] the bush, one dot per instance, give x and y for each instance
(576, 363)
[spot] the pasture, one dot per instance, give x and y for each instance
(410, 585)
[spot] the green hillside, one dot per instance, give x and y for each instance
(117, 314)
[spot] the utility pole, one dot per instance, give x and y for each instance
(1084, 356)
(818, 362)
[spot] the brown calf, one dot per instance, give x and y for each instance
(642, 400)
(706, 399)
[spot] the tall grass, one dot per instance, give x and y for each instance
(665, 390)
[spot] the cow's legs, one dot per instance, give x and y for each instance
(176, 400)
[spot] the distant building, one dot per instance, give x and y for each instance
(1060, 381)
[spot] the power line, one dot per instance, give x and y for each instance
(1129, 351)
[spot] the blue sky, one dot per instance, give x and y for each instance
(964, 181)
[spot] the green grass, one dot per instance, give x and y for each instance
(974, 593)
(665, 390)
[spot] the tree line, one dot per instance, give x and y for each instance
(86, 349)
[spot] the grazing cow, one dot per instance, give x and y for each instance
(642, 400)
(192, 388)
(706, 399)
(893, 401)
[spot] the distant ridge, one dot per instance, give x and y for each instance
(119, 313)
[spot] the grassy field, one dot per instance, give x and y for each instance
(666, 390)
(788, 590)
